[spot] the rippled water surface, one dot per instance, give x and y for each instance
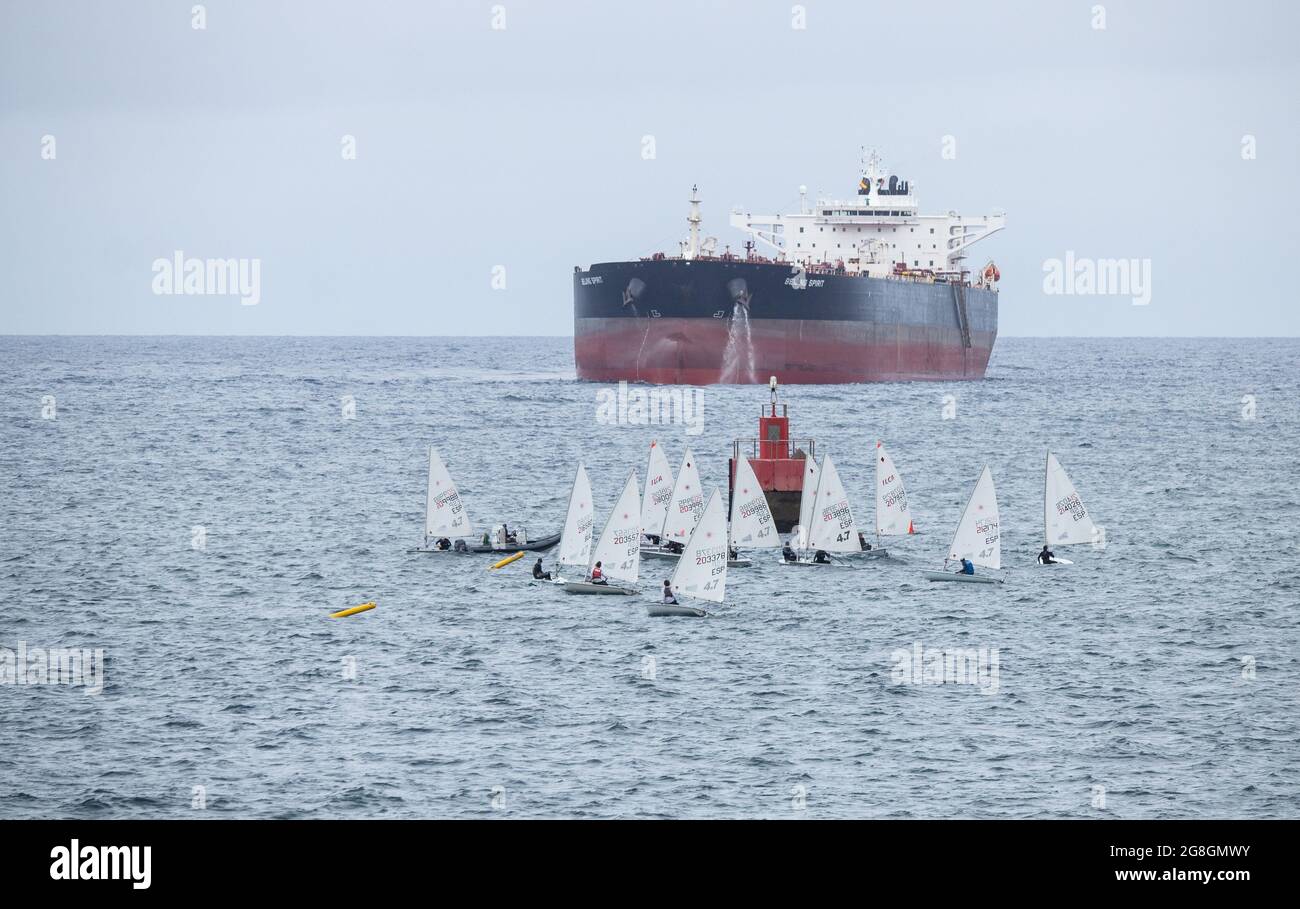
(1162, 668)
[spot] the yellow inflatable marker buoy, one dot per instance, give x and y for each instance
(507, 560)
(344, 613)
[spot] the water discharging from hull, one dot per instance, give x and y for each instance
(738, 357)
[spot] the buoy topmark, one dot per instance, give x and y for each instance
(344, 613)
(507, 560)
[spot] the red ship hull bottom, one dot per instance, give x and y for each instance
(697, 351)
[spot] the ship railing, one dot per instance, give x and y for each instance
(755, 449)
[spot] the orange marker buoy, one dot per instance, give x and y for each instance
(344, 613)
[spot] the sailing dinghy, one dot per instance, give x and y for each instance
(892, 515)
(978, 537)
(751, 525)
(684, 509)
(799, 533)
(658, 493)
(701, 572)
(579, 524)
(830, 526)
(445, 516)
(1066, 521)
(618, 549)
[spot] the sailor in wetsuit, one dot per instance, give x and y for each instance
(733, 553)
(1046, 557)
(788, 554)
(967, 567)
(674, 546)
(822, 557)
(669, 599)
(597, 576)
(539, 574)
(443, 543)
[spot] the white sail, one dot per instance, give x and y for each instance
(579, 523)
(1065, 519)
(978, 537)
(619, 547)
(892, 515)
(687, 503)
(751, 517)
(806, 496)
(702, 570)
(832, 527)
(444, 513)
(658, 490)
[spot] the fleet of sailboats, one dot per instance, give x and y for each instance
(673, 520)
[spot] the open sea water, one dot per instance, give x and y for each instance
(198, 506)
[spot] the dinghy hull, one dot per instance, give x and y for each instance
(666, 610)
(661, 554)
(598, 589)
(962, 578)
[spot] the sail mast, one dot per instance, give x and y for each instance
(1047, 469)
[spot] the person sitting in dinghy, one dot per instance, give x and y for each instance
(822, 557)
(1046, 557)
(967, 567)
(862, 542)
(443, 543)
(669, 599)
(540, 575)
(597, 576)
(674, 546)
(788, 554)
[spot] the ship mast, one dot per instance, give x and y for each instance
(693, 219)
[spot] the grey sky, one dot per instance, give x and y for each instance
(522, 148)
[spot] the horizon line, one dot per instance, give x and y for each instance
(570, 337)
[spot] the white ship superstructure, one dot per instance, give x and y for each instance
(879, 232)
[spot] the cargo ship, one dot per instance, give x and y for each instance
(859, 290)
